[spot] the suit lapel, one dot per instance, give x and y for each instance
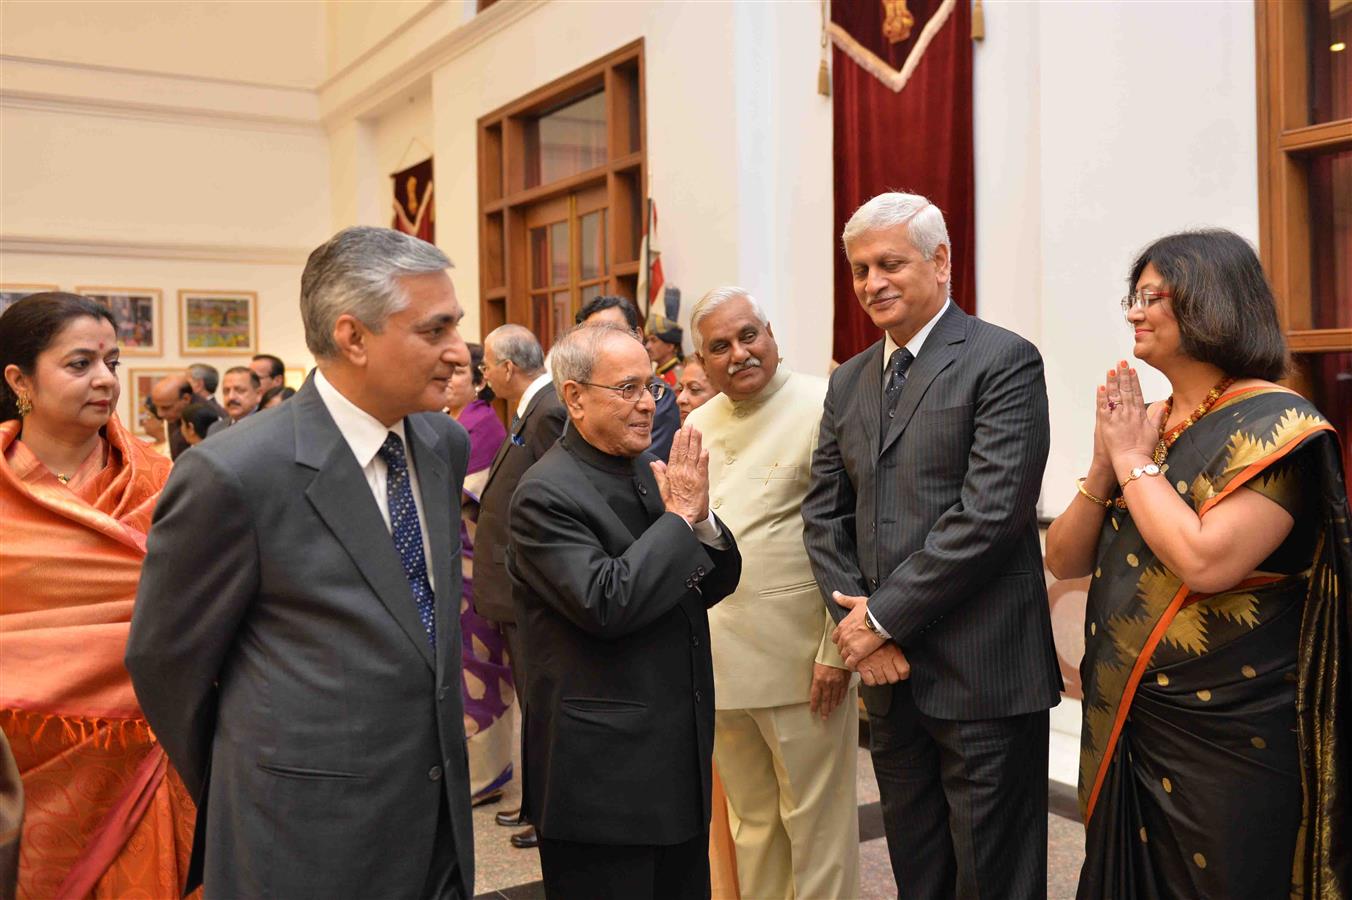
(434, 490)
(870, 388)
(514, 435)
(938, 353)
(341, 496)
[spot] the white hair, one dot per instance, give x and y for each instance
(518, 345)
(356, 272)
(923, 220)
(573, 356)
(712, 301)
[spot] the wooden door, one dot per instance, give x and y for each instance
(568, 264)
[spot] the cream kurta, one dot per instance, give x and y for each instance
(766, 635)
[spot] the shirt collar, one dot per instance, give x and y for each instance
(535, 387)
(363, 432)
(916, 342)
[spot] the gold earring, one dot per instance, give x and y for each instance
(25, 405)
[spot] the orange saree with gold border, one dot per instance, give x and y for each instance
(105, 814)
(1214, 723)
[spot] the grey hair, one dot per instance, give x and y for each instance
(923, 220)
(517, 344)
(208, 375)
(356, 272)
(712, 301)
(573, 356)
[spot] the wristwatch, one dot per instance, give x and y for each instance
(1138, 471)
(872, 626)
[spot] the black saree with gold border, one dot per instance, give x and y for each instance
(1214, 751)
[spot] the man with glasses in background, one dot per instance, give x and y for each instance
(614, 559)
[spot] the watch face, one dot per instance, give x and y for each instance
(1152, 469)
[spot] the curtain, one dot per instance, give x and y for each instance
(918, 139)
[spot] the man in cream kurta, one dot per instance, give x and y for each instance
(786, 721)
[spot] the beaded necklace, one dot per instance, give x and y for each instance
(1169, 438)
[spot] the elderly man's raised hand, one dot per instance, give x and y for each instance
(684, 478)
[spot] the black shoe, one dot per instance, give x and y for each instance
(512, 818)
(525, 840)
(488, 797)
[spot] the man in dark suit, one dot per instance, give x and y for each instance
(170, 396)
(514, 367)
(921, 524)
(305, 676)
(242, 389)
(618, 311)
(615, 558)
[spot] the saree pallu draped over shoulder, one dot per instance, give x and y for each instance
(105, 814)
(1215, 739)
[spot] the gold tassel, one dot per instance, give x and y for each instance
(978, 21)
(823, 71)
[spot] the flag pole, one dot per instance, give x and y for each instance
(646, 280)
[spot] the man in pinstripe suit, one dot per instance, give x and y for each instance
(921, 527)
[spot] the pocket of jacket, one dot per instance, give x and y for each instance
(309, 774)
(604, 705)
(790, 590)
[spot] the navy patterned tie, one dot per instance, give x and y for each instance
(407, 532)
(897, 364)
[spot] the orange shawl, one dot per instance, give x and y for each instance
(105, 815)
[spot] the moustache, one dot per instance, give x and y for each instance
(750, 363)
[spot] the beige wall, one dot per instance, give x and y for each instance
(277, 42)
(148, 176)
(354, 28)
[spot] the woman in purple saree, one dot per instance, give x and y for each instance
(486, 679)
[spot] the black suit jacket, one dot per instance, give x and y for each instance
(539, 427)
(619, 714)
(287, 673)
(936, 522)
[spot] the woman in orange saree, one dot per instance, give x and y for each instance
(1215, 527)
(105, 814)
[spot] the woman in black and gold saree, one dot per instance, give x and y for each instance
(1215, 743)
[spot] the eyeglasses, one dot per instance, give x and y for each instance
(629, 393)
(483, 367)
(1142, 299)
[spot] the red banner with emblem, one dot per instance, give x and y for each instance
(414, 211)
(901, 91)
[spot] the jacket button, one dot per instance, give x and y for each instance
(434, 773)
(700, 571)
(698, 696)
(643, 489)
(441, 694)
(694, 641)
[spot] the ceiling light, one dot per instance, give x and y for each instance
(1338, 47)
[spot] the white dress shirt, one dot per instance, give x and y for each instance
(889, 347)
(365, 435)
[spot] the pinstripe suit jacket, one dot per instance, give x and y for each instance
(936, 520)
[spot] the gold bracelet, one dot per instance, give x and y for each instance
(1079, 485)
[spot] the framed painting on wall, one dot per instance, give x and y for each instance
(139, 383)
(137, 311)
(11, 294)
(217, 323)
(295, 378)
